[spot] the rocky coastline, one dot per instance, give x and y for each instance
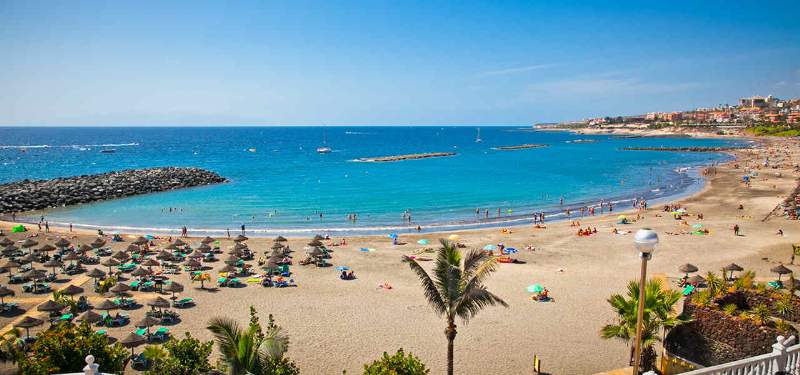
(29, 195)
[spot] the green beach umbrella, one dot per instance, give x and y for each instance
(423, 242)
(535, 288)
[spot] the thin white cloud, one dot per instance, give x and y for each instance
(605, 85)
(517, 70)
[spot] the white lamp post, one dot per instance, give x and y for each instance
(645, 241)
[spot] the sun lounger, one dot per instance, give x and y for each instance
(101, 332)
(141, 331)
(65, 318)
(775, 284)
(183, 302)
(162, 334)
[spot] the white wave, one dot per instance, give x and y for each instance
(80, 147)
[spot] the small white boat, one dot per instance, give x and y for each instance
(478, 138)
(323, 150)
(251, 149)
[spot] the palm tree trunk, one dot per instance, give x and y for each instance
(450, 332)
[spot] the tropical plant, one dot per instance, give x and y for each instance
(702, 298)
(658, 315)
(64, 348)
(456, 288)
(202, 278)
(11, 346)
(729, 309)
(761, 288)
(252, 350)
(760, 314)
(783, 326)
(745, 281)
(396, 364)
(716, 284)
(784, 306)
(64, 300)
(187, 356)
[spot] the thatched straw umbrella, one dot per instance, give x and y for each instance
(5, 292)
(139, 241)
(52, 263)
(107, 305)
(164, 255)
(28, 322)
(232, 259)
(316, 243)
(62, 243)
(46, 248)
(228, 269)
(318, 237)
(71, 257)
(240, 238)
(204, 248)
(193, 264)
(119, 288)
(780, 270)
(150, 263)
(132, 340)
(133, 248)
(280, 239)
(10, 249)
(30, 258)
(196, 254)
(50, 306)
(236, 252)
(207, 240)
(72, 290)
(89, 316)
(696, 279)
(179, 242)
(316, 252)
(140, 272)
(687, 269)
(95, 274)
(29, 243)
(8, 265)
(5, 242)
(171, 247)
(173, 288)
(98, 243)
(121, 256)
(110, 262)
(733, 267)
(84, 248)
(147, 322)
(160, 303)
(277, 246)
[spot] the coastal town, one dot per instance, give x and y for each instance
(758, 114)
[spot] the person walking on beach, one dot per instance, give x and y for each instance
(735, 229)
(14, 216)
(242, 229)
(228, 231)
(70, 227)
(46, 227)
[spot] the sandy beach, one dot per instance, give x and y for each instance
(338, 325)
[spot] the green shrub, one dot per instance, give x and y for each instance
(397, 364)
(760, 313)
(65, 347)
(187, 356)
(729, 309)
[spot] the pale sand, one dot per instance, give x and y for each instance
(336, 325)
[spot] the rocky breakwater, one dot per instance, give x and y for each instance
(28, 195)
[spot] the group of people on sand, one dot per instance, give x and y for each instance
(586, 232)
(347, 275)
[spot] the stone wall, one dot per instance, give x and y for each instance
(27, 195)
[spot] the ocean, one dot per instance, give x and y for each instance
(279, 184)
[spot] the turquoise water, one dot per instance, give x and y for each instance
(285, 184)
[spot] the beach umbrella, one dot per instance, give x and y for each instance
(28, 243)
(392, 235)
(780, 270)
(132, 340)
(239, 246)
(30, 258)
(147, 322)
(50, 306)
(277, 246)
(343, 268)
(687, 268)
(140, 241)
(278, 253)
(159, 303)
(236, 252)
(232, 259)
(5, 292)
(6, 242)
(121, 256)
(46, 248)
(34, 275)
(203, 248)
(98, 243)
(240, 238)
(62, 243)
(52, 263)
(164, 255)
(9, 264)
(510, 250)
(89, 316)
(96, 274)
(171, 246)
(280, 239)
(196, 254)
(10, 249)
(228, 268)
(133, 248)
(696, 279)
(107, 305)
(733, 267)
(423, 242)
(140, 271)
(150, 263)
(697, 226)
(110, 262)
(318, 237)
(316, 243)
(315, 252)
(71, 257)
(28, 322)
(84, 248)
(119, 288)
(207, 240)
(179, 242)
(453, 237)
(191, 263)
(535, 288)
(72, 290)
(490, 247)
(173, 288)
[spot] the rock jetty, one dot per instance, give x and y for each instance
(383, 159)
(28, 195)
(684, 149)
(519, 147)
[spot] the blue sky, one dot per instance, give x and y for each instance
(386, 62)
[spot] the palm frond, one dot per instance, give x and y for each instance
(432, 292)
(476, 299)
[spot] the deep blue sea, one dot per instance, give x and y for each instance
(285, 184)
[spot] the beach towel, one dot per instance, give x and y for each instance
(688, 290)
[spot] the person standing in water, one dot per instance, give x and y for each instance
(243, 229)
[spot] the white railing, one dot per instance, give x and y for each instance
(784, 359)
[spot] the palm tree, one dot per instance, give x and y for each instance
(456, 289)
(658, 315)
(251, 350)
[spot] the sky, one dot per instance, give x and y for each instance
(329, 62)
